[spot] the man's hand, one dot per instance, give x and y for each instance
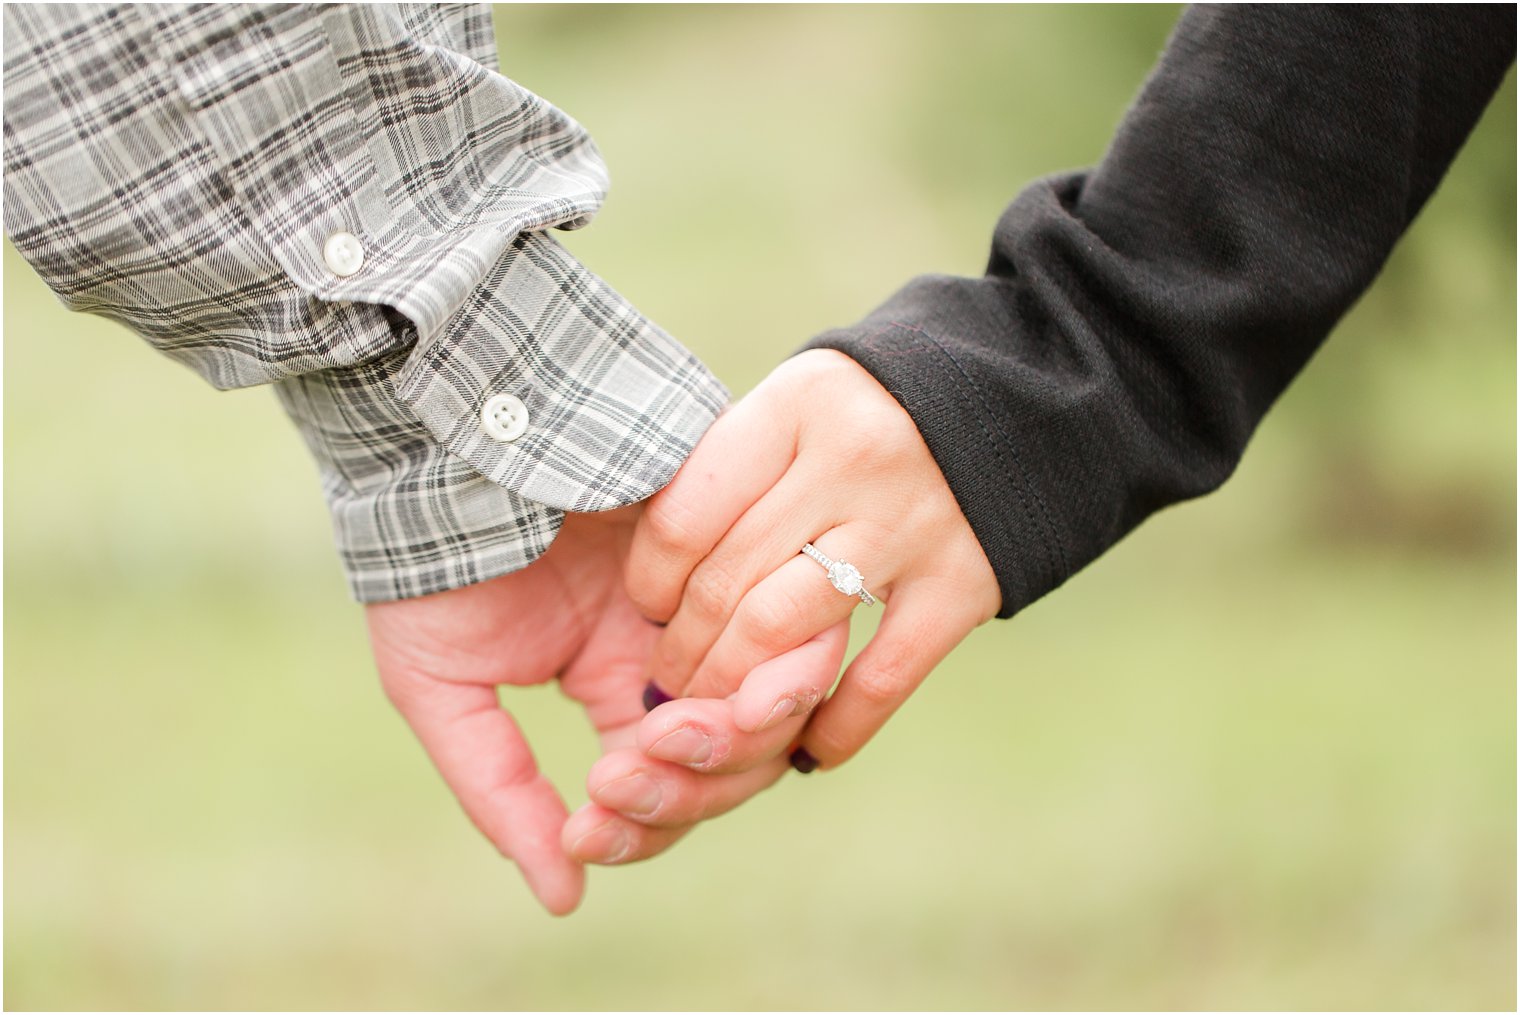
(441, 656)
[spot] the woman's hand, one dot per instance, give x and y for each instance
(819, 453)
(689, 762)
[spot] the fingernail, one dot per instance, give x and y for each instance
(802, 761)
(606, 843)
(686, 745)
(636, 795)
(788, 706)
(654, 697)
(783, 710)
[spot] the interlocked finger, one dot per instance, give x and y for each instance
(798, 602)
(700, 734)
(662, 794)
(792, 684)
(665, 801)
(682, 523)
(769, 535)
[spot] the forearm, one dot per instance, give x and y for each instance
(1136, 322)
(185, 171)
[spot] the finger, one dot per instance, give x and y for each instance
(915, 635)
(661, 794)
(791, 684)
(684, 521)
(597, 835)
(784, 610)
(607, 677)
(699, 733)
(770, 533)
(485, 760)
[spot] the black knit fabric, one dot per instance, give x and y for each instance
(1137, 320)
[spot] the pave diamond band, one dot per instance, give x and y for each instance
(843, 575)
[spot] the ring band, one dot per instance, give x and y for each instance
(843, 575)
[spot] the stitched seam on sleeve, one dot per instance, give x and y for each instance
(987, 419)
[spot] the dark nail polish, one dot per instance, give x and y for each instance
(802, 761)
(654, 697)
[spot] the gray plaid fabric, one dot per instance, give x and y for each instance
(180, 169)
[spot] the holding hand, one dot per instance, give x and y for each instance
(691, 762)
(818, 454)
(442, 656)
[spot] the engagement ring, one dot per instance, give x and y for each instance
(843, 575)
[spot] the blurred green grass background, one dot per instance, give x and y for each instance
(1262, 755)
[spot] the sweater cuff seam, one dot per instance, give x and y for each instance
(1001, 442)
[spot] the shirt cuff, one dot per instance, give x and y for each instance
(427, 495)
(613, 404)
(409, 519)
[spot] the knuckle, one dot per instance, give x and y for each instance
(879, 688)
(709, 592)
(808, 369)
(800, 382)
(772, 622)
(670, 526)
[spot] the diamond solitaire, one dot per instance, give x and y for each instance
(845, 578)
(843, 575)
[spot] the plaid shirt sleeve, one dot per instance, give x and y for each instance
(349, 203)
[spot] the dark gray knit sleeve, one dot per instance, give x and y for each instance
(1136, 321)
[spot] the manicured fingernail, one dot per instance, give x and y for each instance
(654, 697)
(685, 745)
(636, 795)
(802, 761)
(606, 843)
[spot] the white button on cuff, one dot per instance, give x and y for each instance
(344, 254)
(504, 417)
